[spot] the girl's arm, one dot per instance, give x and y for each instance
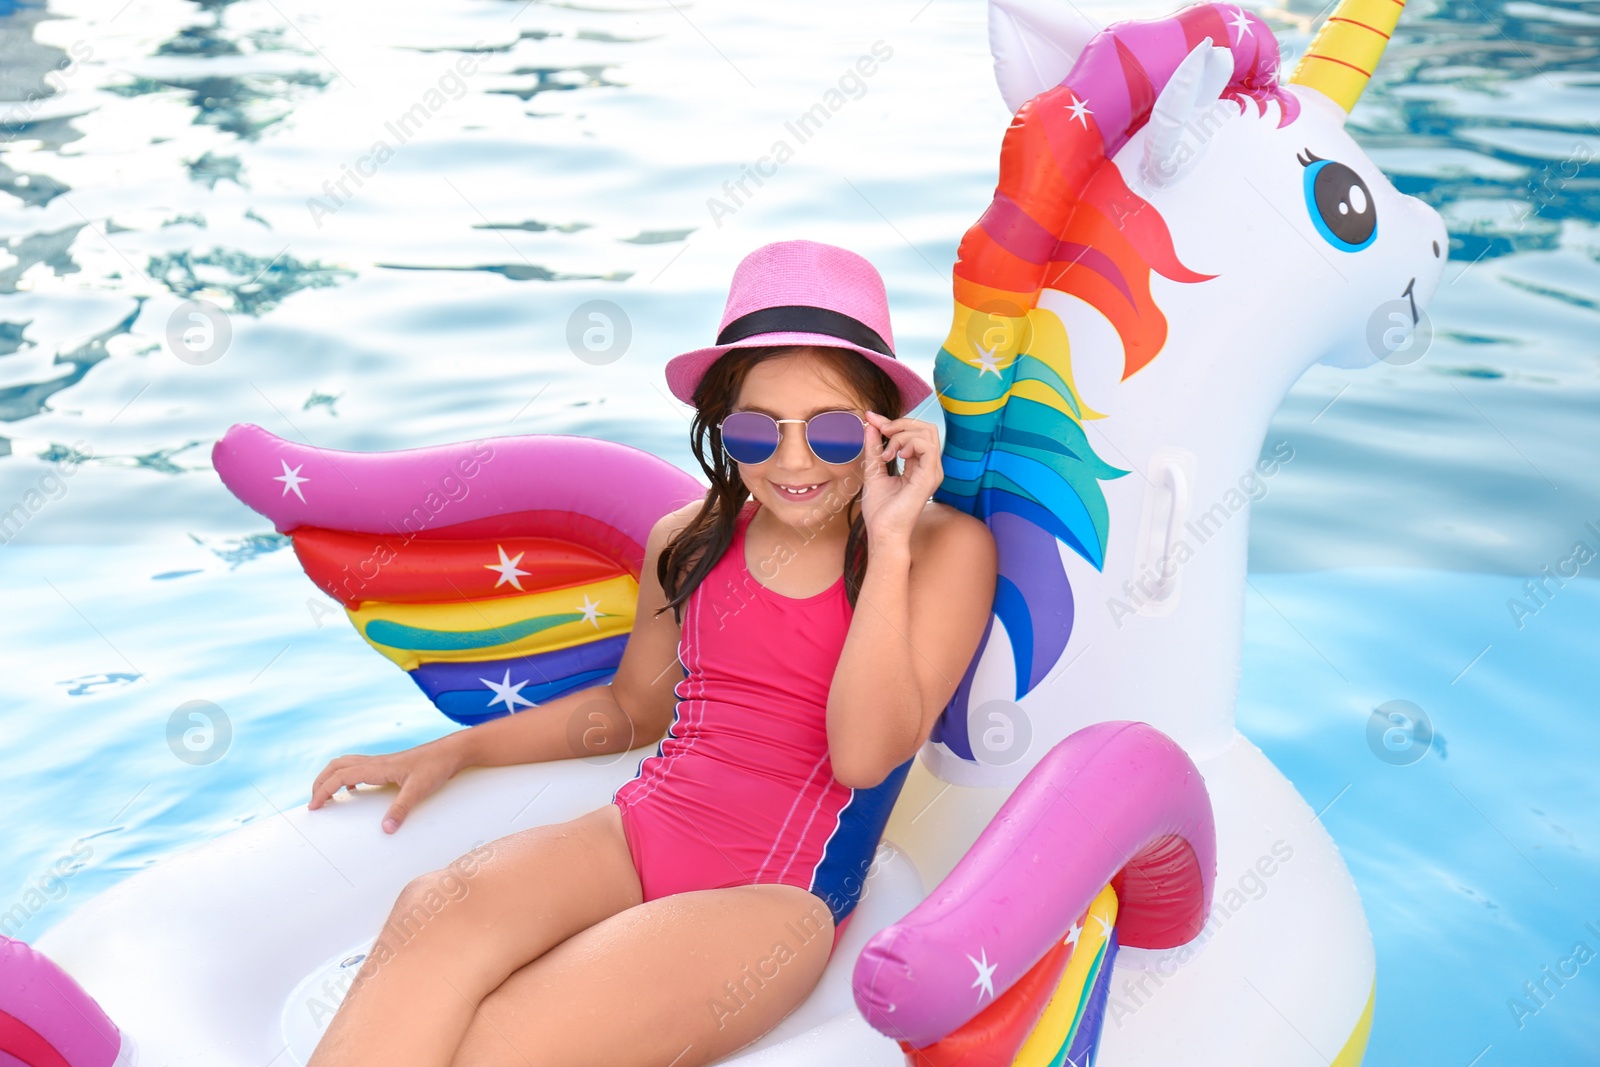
(583, 723)
(920, 613)
(631, 710)
(918, 620)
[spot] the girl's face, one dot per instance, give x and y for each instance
(799, 488)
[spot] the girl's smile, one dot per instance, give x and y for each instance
(803, 492)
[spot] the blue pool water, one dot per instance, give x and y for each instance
(570, 151)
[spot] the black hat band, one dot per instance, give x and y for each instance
(803, 318)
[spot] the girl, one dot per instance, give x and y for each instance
(798, 632)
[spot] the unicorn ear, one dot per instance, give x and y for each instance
(1035, 43)
(1191, 91)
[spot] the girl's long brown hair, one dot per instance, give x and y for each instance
(690, 555)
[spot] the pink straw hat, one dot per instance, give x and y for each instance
(803, 293)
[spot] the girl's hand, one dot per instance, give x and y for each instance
(890, 506)
(419, 772)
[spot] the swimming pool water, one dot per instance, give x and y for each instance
(558, 153)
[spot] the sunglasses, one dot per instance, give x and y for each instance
(752, 437)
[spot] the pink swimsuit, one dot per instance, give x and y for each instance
(741, 790)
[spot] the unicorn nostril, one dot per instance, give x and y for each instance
(1436, 250)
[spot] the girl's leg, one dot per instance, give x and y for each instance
(451, 939)
(678, 982)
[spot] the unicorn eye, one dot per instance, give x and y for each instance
(1340, 204)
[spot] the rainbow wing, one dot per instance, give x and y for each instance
(1069, 1030)
(498, 573)
(1049, 1016)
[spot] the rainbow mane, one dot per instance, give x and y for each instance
(1062, 218)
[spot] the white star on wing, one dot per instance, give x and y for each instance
(590, 609)
(1073, 934)
(505, 691)
(291, 479)
(508, 569)
(1079, 109)
(985, 975)
(1105, 927)
(1242, 24)
(986, 362)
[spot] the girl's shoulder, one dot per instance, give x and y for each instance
(942, 529)
(672, 523)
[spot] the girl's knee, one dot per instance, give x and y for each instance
(427, 899)
(431, 892)
(437, 923)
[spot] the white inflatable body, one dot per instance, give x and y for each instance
(237, 951)
(229, 955)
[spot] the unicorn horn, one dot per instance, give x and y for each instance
(1346, 50)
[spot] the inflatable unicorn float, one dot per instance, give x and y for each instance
(1087, 862)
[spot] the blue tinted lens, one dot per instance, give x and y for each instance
(749, 436)
(835, 436)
